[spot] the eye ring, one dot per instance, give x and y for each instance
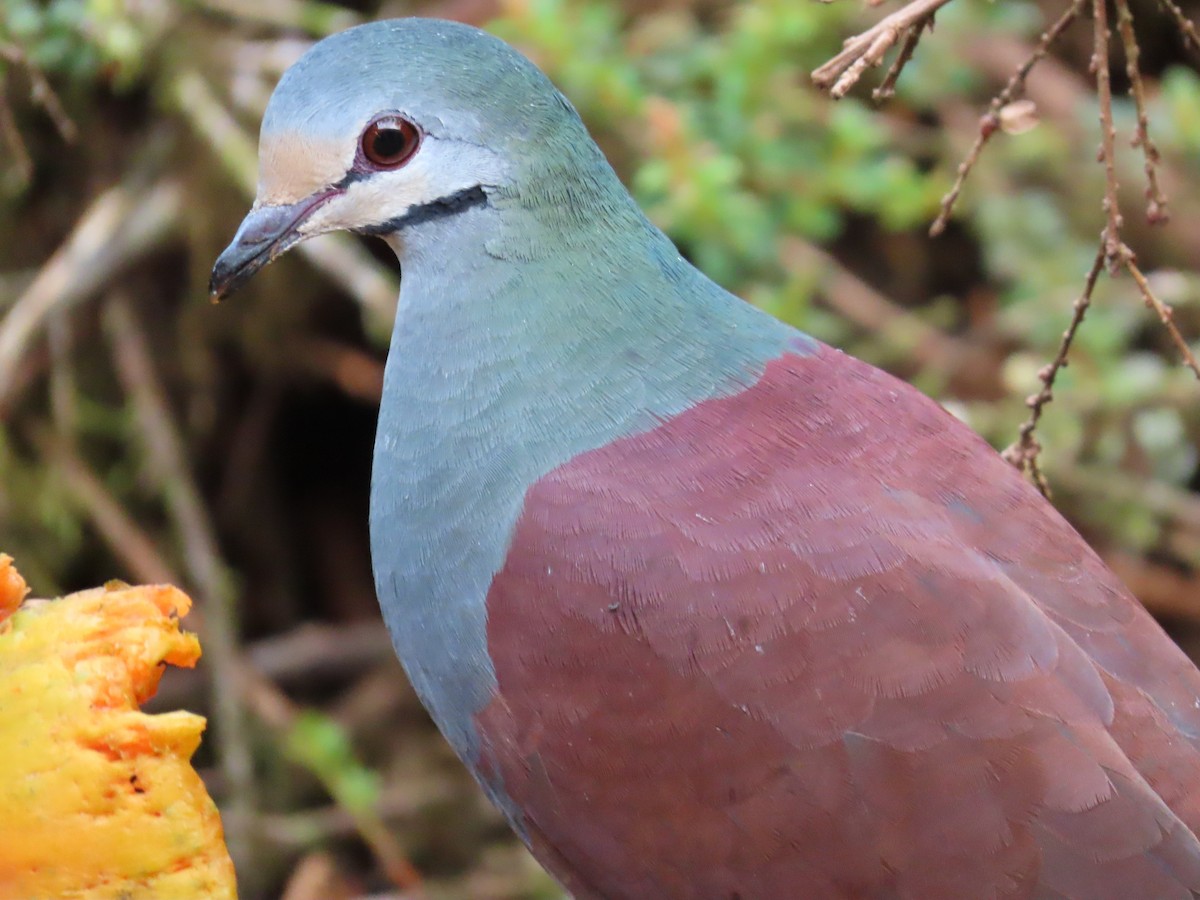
(389, 141)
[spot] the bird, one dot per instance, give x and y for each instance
(710, 609)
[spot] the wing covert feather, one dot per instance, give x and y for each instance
(778, 647)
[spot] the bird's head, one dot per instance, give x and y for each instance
(387, 126)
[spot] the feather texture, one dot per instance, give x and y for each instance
(817, 640)
(711, 611)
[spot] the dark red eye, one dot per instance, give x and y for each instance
(390, 141)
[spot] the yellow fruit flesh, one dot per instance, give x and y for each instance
(98, 799)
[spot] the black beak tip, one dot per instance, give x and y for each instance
(220, 284)
(234, 267)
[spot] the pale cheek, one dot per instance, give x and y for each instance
(391, 194)
(371, 202)
(292, 167)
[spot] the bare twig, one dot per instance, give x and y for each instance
(1186, 27)
(307, 654)
(989, 123)
(861, 304)
(1114, 249)
(168, 460)
(122, 224)
(1156, 200)
(64, 392)
(1023, 453)
(355, 372)
(1166, 315)
(912, 37)
(1117, 252)
(316, 18)
(865, 50)
(314, 827)
(40, 92)
(11, 135)
(125, 538)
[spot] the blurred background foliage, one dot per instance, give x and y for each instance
(150, 436)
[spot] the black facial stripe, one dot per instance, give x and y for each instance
(352, 176)
(441, 208)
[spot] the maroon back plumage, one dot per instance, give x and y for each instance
(817, 639)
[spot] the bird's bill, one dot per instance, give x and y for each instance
(265, 233)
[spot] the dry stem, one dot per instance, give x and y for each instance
(989, 123)
(1023, 453)
(22, 162)
(122, 224)
(866, 50)
(1113, 247)
(1156, 200)
(130, 543)
(1166, 315)
(40, 91)
(912, 37)
(1186, 27)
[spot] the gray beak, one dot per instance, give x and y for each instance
(265, 233)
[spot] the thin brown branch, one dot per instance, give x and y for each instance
(1023, 453)
(858, 302)
(306, 655)
(128, 542)
(315, 827)
(41, 93)
(1186, 26)
(11, 135)
(866, 50)
(1156, 199)
(1166, 314)
(64, 391)
(989, 123)
(912, 37)
(1114, 248)
(1117, 252)
(122, 224)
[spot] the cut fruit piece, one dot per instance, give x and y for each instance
(97, 798)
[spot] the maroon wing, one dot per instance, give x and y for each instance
(816, 639)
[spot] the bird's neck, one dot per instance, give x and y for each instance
(509, 309)
(516, 348)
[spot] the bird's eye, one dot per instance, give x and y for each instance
(390, 141)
